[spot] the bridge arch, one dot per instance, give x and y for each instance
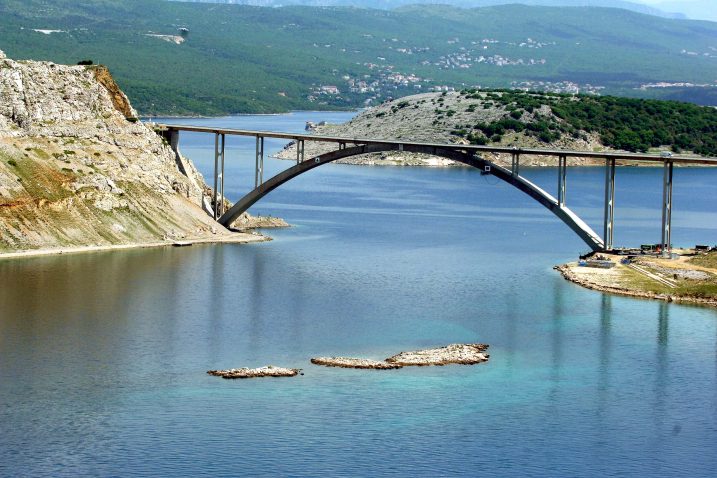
(584, 231)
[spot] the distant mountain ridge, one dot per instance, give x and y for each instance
(390, 4)
(181, 58)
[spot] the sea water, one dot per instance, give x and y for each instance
(103, 356)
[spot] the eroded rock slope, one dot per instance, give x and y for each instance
(77, 168)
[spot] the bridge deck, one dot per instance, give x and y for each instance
(616, 155)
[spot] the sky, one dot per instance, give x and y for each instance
(698, 9)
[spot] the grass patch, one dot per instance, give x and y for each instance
(703, 289)
(633, 280)
(705, 260)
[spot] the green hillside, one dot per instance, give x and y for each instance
(239, 59)
(629, 124)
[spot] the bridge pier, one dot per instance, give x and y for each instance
(259, 169)
(609, 203)
(219, 148)
(299, 151)
(667, 209)
(562, 179)
(515, 163)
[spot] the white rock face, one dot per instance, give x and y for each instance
(75, 164)
(2, 55)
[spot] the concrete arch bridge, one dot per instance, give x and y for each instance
(469, 155)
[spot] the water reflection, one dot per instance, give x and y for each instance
(661, 366)
(605, 344)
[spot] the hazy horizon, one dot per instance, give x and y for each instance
(691, 9)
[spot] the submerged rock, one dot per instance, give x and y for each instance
(268, 371)
(346, 362)
(463, 354)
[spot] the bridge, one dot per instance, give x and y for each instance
(470, 155)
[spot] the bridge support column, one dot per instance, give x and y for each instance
(219, 143)
(515, 164)
(299, 151)
(259, 169)
(562, 179)
(667, 210)
(609, 203)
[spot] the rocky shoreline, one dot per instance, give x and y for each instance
(568, 272)
(232, 238)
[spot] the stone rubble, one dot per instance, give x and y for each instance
(267, 371)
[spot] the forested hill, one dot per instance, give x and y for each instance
(388, 4)
(201, 58)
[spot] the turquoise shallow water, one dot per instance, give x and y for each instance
(103, 356)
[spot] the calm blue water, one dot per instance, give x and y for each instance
(103, 356)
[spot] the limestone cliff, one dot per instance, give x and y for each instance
(78, 169)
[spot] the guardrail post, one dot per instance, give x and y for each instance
(562, 179)
(667, 209)
(609, 203)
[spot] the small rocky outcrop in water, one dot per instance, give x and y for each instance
(346, 362)
(462, 354)
(246, 221)
(268, 371)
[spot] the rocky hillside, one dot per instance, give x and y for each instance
(78, 169)
(528, 120)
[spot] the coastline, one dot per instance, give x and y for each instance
(234, 238)
(588, 281)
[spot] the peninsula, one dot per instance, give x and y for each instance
(528, 120)
(689, 277)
